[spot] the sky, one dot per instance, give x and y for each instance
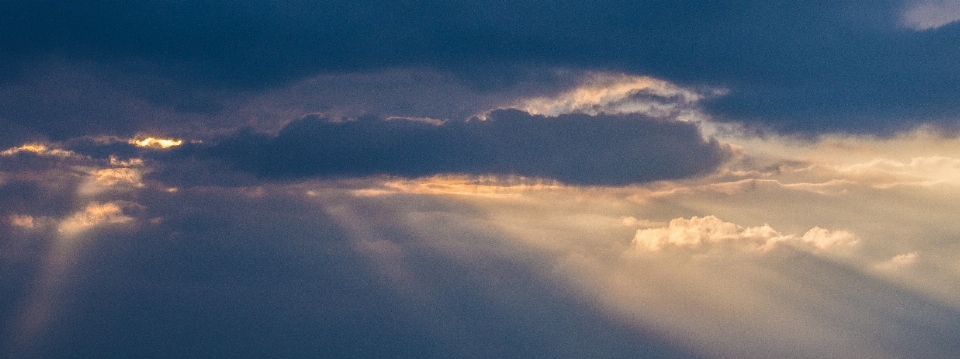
(433, 179)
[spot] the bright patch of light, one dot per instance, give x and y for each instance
(109, 177)
(126, 176)
(698, 232)
(484, 186)
(159, 143)
(22, 221)
(95, 214)
(426, 120)
(38, 149)
(132, 162)
(619, 94)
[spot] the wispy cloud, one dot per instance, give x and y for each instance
(93, 216)
(931, 14)
(613, 94)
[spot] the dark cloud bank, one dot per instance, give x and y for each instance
(797, 67)
(575, 149)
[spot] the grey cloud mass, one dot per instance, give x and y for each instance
(575, 149)
(848, 66)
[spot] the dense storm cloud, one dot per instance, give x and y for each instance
(576, 149)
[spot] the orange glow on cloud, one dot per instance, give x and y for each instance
(38, 149)
(615, 94)
(152, 142)
(95, 214)
(460, 185)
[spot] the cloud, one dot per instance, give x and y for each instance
(121, 178)
(448, 260)
(612, 94)
(364, 214)
(826, 239)
(898, 262)
(157, 143)
(96, 104)
(812, 68)
(322, 266)
(931, 14)
(22, 221)
(95, 215)
(576, 148)
(700, 232)
(38, 149)
(798, 301)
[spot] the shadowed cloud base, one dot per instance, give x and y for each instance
(575, 149)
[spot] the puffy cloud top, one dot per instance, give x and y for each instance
(698, 232)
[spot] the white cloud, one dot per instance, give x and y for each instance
(698, 232)
(825, 239)
(931, 14)
(618, 94)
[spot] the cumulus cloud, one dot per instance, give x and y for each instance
(576, 148)
(699, 232)
(826, 239)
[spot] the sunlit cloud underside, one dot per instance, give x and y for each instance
(842, 246)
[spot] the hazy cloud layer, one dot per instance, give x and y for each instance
(272, 270)
(103, 259)
(576, 149)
